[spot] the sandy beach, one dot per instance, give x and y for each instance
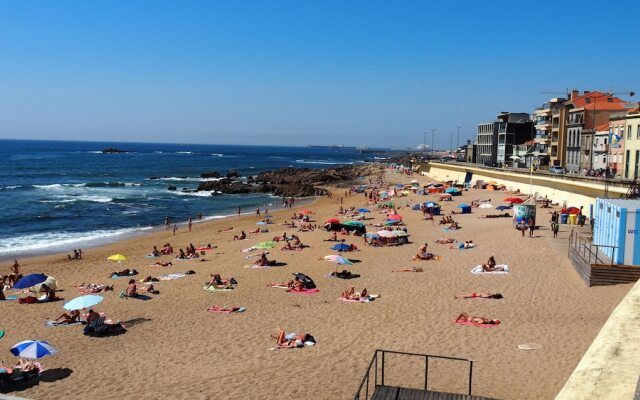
(181, 351)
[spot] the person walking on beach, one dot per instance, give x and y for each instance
(166, 222)
(189, 223)
(239, 210)
(532, 226)
(175, 228)
(258, 212)
(554, 218)
(555, 227)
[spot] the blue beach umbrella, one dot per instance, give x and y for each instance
(30, 280)
(363, 210)
(341, 247)
(33, 349)
(81, 302)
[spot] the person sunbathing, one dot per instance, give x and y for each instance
(445, 241)
(412, 269)
(241, 236)
(263, 261)
(295, 341)
(155, 252)
(219, 283)
(124, 272)
(287, 285)
(505, 215)
(491, 266)
(149, 279)
(257, 230)
(5, 371)
(454, 226)
(93, 288)
(181, 255)
(227, 229)
(72, 317)
(223, 309)
(148, 289)
(333, 238)
(163, 263)
(475, 295)
(466, 245)
(27, 366)
(351, 294)
(466, 318)
(298, 285)
(132, 289)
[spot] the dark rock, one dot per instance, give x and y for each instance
(172, 188)
(210, 174)
(112, 150)
(233, 174)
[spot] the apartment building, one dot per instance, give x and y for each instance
(632, 144)
(487, 143)
(601, 147)
(616, 143)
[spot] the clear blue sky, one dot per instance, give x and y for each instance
(299, 72)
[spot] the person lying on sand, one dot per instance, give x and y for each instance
(230, 228)
(475, 295)
(149, 289)
(445, 241)
(93, 288)
(351, 294)
(333, 238)
(124, 272)
(223, 309)
(72, 317)
(257, 230)
(163, 263)
(454, 226)
(295, 341)
(505, 215)
(219, 283)
(464, 317)
(466, 245)
(412, 269)
(241, 236)
(149, 279)
(491, 266)
(288, 284)
(26, 365)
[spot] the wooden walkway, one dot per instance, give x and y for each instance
(396, 393)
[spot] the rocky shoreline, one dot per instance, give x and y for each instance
(286, 182)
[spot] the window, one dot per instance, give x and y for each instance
(637, 131)
(605, 141)
(587, 100)
(629, 132)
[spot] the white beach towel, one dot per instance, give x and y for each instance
(478, 270)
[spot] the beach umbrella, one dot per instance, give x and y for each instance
(385, 234)
(400, 233)
(485, 205)
(265, 245)
(363, 210)
(514, 200)
(574, 210)
(338, 259)
(395, 217)
(341, 247)
(306, 211)
(353, 223)
(81, 302)
(33, 349)
(30, 280)
(118, 258)
(332, 221)
(502, 208)
(463, 205)
(308, 282)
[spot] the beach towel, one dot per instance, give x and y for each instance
(362, 300)
(231, 311)
(279, 286)
(12, 297)
(206, 248)
(449, 229)
(212, 289)
(478, 325)
(478, 270)
(151, 256)
(254, 266)
(465, 248)
(142, 297)
(529, 346)
(305, 291)
(1, 333)
(53, 324)
(170, 277)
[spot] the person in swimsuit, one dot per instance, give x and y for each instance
(466, 318)
(479, 296)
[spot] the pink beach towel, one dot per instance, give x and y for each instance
(306, 291)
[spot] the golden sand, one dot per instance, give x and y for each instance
(184, 352)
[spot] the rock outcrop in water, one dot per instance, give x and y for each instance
(289, 182)
(113, 150)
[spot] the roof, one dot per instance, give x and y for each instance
(629, 204)
(603, 128)
(601, 101)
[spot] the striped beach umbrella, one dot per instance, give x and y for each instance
(33, 349)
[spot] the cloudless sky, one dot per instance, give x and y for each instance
(375, 73)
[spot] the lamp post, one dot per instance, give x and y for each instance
(433, 132)
(424, 145)
(458, 141)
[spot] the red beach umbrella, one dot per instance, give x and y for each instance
(394, 217)
(515, 200)
(332, 221)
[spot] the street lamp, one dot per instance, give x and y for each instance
(433, 132)
(458, 142)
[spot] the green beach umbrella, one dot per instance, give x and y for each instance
(353, 223)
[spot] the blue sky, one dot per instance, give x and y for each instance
(299, 72)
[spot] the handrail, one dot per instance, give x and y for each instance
(364, 384)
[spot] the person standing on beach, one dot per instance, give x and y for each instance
(175, 228)
(258, 212)
(532, 226)
(555, 227)
(554, 218)
(189, 223)
(239, 210)
(166, 222)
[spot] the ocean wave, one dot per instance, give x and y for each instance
(185, 179)
(73, 199)
(217, 155)
(184, 152)
(53, 240)
(323, 162)
(202, 193)
(95, 152)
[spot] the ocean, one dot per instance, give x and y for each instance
(58, 196)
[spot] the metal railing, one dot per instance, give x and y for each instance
(590, 253)
(379, 368)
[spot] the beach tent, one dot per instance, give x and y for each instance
(466, 209)
(453, 191)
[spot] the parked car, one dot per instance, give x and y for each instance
(556, 170)
(491, 164)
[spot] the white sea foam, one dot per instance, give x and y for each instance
(61, 240)
(202, 193)
(187, 179)
(217, 155)
(184, 152)
(323, 162)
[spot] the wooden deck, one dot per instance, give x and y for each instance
(396, 393)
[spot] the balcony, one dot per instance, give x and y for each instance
(542, 139)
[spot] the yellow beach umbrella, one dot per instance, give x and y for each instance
(118, 258)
